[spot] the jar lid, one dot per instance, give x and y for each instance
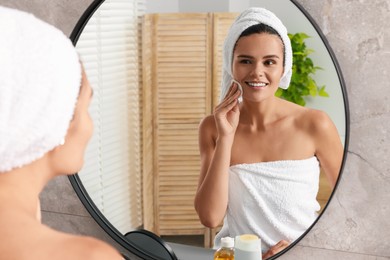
(248, 242)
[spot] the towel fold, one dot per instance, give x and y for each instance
(273, 200)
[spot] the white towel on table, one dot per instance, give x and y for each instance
(273, 200)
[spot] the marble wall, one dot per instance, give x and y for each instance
(355, 225)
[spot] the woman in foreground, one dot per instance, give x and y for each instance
(44, 130)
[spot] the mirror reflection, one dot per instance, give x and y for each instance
(156, 73)
(261, 157)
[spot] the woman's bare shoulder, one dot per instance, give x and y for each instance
(314, 121)
(207, 133)
(207, 122)
(67, 246)
(27, 238)
(81, 247)
(207, 126)
(32, 240)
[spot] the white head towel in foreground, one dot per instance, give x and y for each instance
(246, 19)
(39, 85)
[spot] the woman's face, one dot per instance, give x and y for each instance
(258, 65)
(69, 157)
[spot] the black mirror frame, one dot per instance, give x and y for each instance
(145, 233)
(119, 237)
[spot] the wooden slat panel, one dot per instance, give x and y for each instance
(170, 230)
(147, 126)
(180, 84)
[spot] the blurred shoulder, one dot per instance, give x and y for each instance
(29, 239)
(78, 247)
(60, 246)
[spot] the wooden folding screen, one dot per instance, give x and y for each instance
(178, 90)
(181, 64)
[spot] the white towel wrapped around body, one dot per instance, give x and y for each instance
(274, 200)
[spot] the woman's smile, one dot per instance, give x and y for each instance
(256, 85)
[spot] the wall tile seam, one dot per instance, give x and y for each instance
(351, 153)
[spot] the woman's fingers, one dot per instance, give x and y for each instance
(281, 245)
(232, 88)
(227, 113)
(226, 106)
(230, 98)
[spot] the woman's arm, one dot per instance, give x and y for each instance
(216, 136)
(212, 194)
(329, 149)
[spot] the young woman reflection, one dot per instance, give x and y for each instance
(261, 157)
(44, 129)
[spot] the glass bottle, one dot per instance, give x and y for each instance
(226, 251)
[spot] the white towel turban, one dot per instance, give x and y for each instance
(246, 19)
(40, 77)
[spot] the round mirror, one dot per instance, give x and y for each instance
(142, 164)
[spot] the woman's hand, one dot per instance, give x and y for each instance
(227, 113)
(282, 244)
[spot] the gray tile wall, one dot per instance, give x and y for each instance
(356, 224)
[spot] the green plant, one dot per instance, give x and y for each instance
(302, 84)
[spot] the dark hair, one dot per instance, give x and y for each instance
(259, 28)
(263, 28)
